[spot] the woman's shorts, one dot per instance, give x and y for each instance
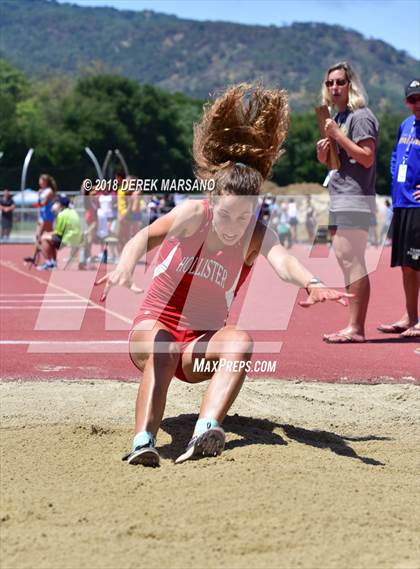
(349, 220)
(406, 238)
(182, 337)
(56, 240)
(47, 226)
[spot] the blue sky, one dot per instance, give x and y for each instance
(394, 21)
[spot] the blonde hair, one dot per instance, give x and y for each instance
(50, 181)
(357, 94)
(239, 138)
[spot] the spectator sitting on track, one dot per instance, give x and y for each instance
(405, 169)
(7, 207)
(208, 247)
(67, 232)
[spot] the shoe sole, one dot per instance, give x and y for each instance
(145, 457)
(210, 443)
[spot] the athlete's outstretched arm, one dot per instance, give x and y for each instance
(182, 220)
(291, 270)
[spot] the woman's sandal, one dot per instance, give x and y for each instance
(341, 338)
(392, 329)
(412, 332)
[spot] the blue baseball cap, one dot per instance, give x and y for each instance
(63, 200)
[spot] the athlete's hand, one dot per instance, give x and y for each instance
(117, 277)
(416, 193)
(319, 293)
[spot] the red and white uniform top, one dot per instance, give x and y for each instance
(193, 286)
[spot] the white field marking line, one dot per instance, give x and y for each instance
(39, 300)
(259, 347)
(33, 294)
(65, 307)
(12, 267)
(42, 342)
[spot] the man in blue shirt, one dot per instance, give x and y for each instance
(405, 169)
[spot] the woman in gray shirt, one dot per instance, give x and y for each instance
(354, 129)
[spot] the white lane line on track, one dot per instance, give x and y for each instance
(84, 346)
(41, 342)
(12, 267)
(46, 294)
(40, 300)
(72, 347)
(43, 307)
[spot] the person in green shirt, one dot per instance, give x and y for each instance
(67, 232)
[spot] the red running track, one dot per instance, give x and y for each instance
(53, 326)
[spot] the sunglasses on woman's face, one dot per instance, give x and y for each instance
(339, 82)
(413, 99)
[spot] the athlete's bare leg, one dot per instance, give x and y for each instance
(47, 248)
(232, 347)
(155, 352)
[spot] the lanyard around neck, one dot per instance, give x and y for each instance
(340, 118)
(411, 138)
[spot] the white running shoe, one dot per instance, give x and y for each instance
(47, 266)
(209, 443)
(146, 455)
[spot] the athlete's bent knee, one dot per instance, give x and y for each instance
(240, 342)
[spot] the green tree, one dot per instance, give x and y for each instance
(13, 81)
(299, 162)
(14, 87)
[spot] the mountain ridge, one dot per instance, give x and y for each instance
(195, 57)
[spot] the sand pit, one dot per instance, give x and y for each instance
(313, 476)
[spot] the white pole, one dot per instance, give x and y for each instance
(25, 169)
(106, 162)
(95, 162)
(123, 162)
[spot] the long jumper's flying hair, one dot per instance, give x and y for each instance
(239, 138)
